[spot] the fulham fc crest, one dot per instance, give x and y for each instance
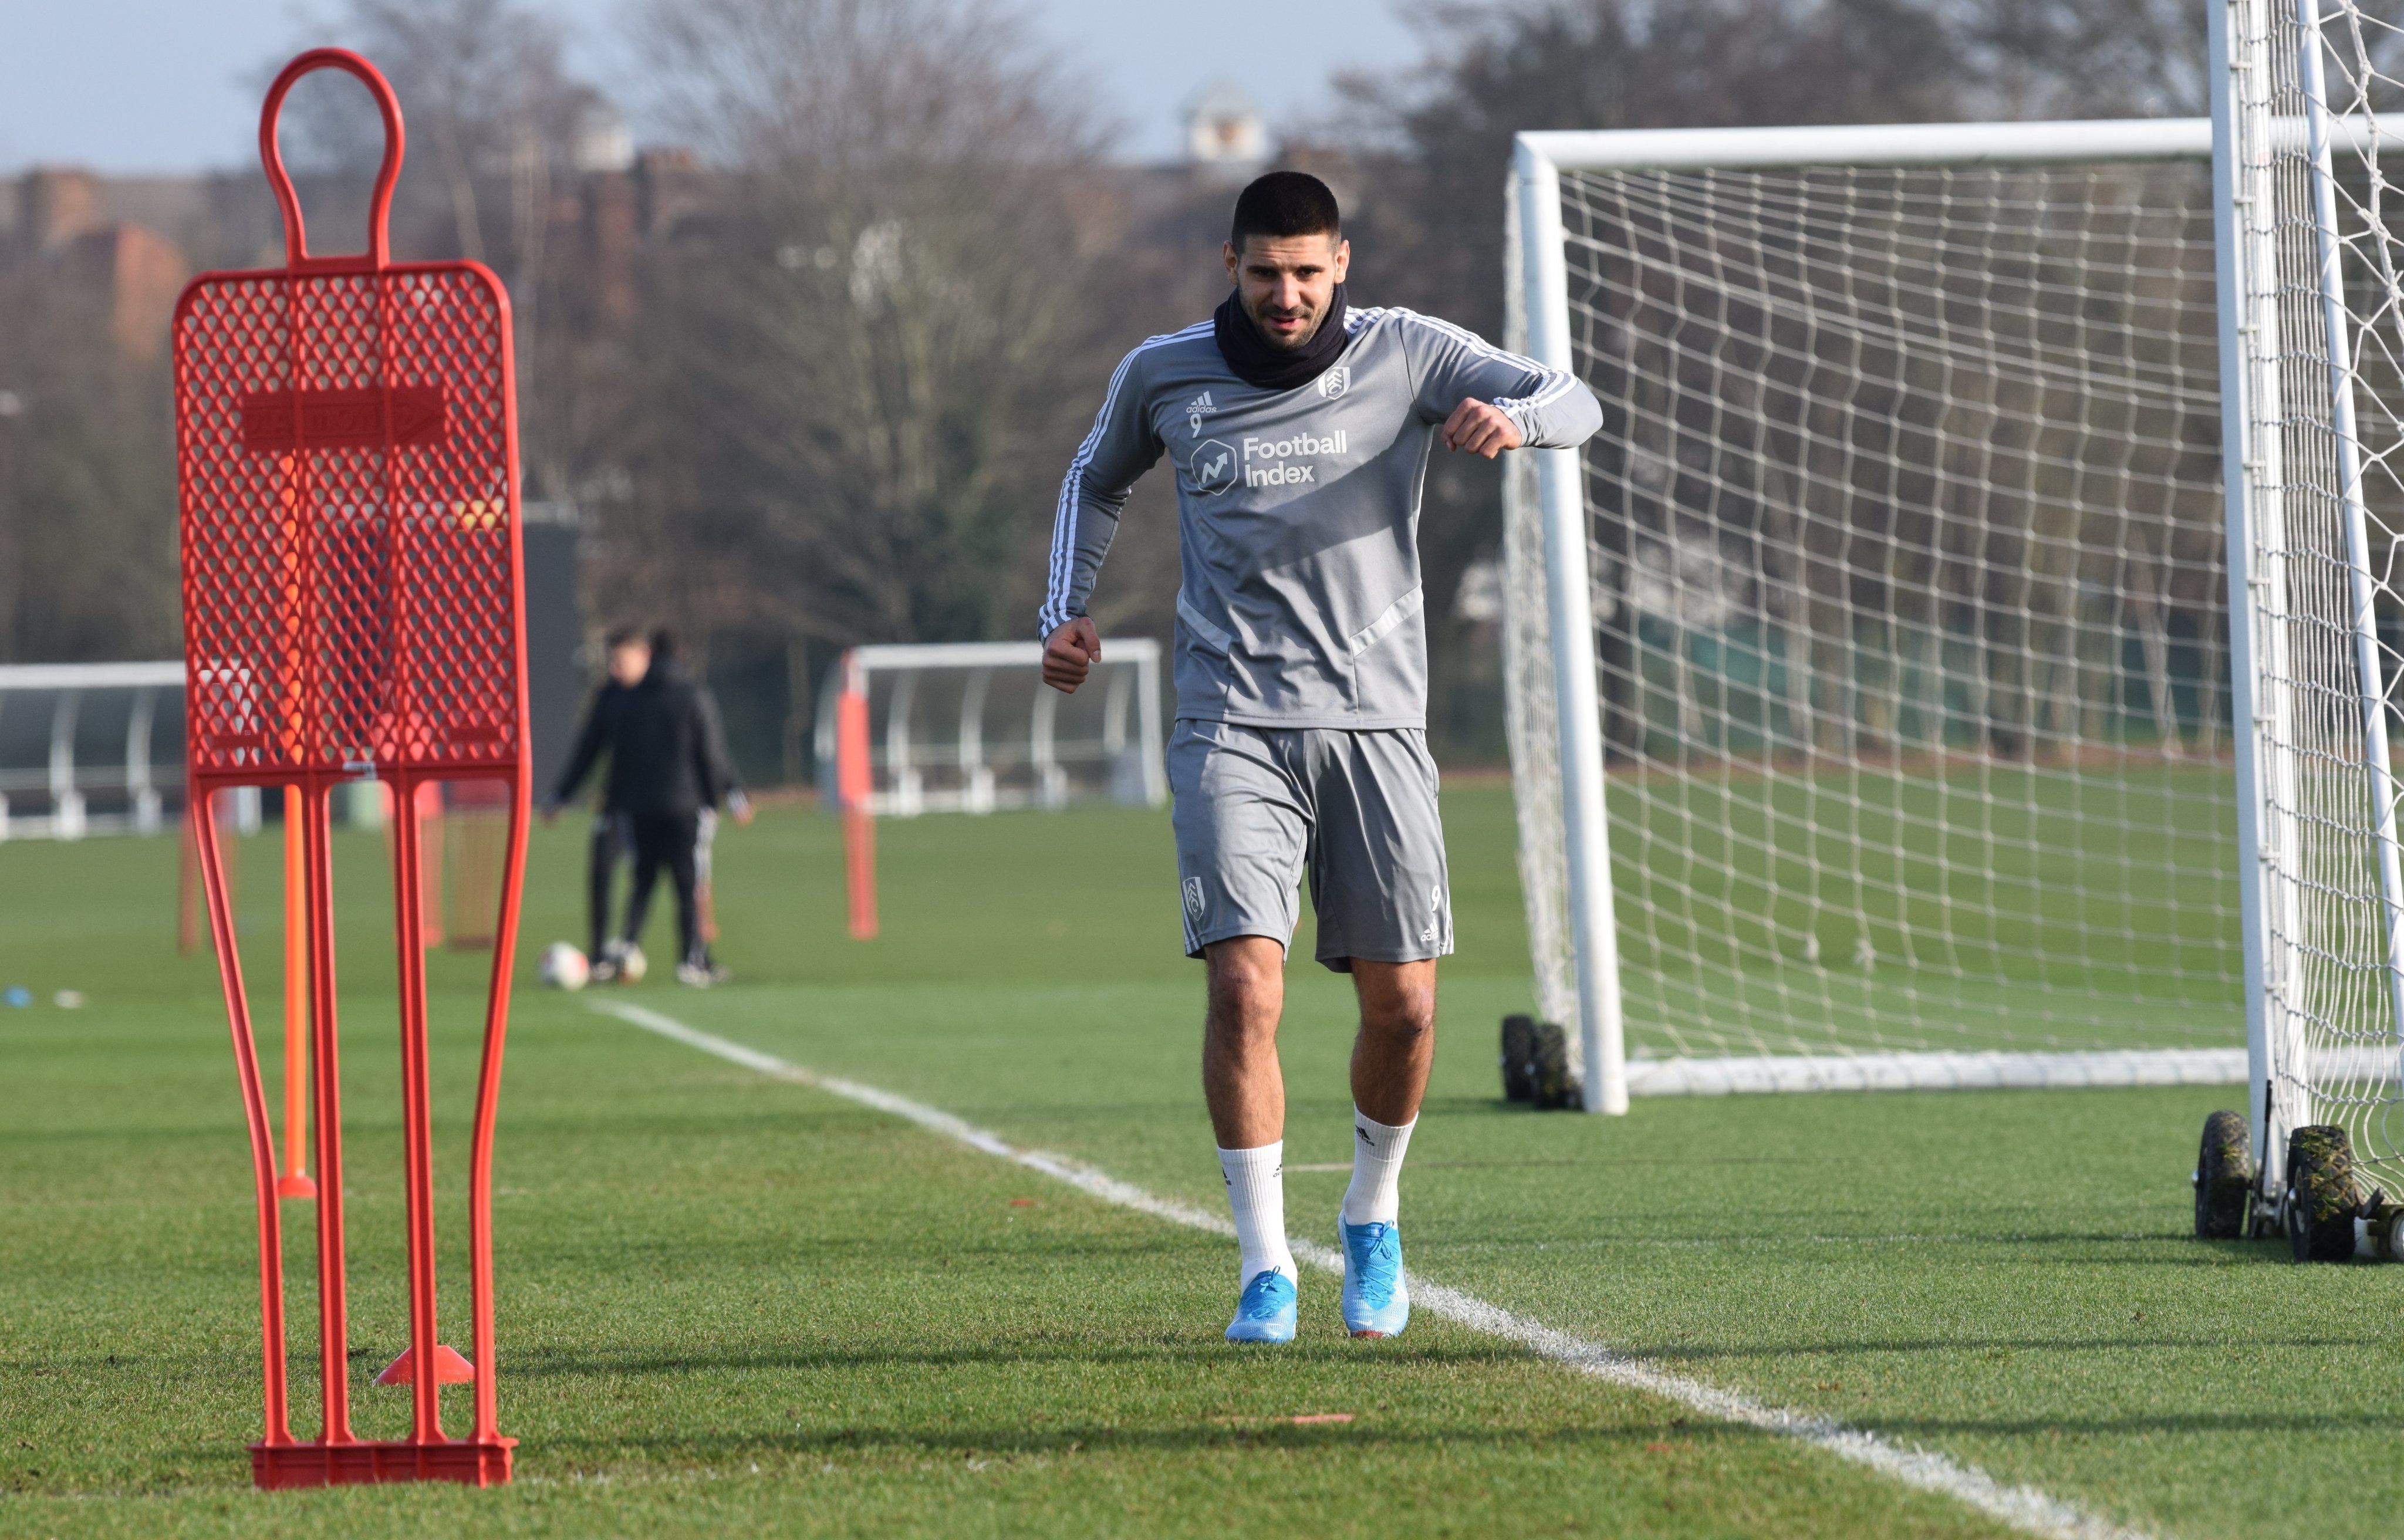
(1335, 381)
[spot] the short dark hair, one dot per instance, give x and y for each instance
(663, 643)
(1285, 202)
(623, 636)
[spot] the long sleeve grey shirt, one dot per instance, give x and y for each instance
(1298, 510)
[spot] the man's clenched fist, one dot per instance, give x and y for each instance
(1480, 428)
(1071, 654)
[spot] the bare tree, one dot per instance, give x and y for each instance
(87, 478)
(485, 89)
(2084, 58)
(858, 375)
(494, 116)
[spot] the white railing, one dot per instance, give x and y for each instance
(49, 711)
(969, 727)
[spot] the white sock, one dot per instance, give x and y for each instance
(1256, 1193)
(1376, 1190)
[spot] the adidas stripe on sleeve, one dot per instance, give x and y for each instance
(1121, 447)
(1548, 406)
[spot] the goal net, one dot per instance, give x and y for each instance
(2316, 325)
(1868, 671)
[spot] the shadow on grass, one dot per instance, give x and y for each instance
(1184, 1437)
(2167, 1249)
(191, 1470)
(2200, 1343)
(1202, 1355)
(1614, 1162)
(676, 1259)
(2196, 1422)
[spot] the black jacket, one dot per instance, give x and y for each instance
(667, 753)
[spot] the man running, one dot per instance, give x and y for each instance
(1299, 430)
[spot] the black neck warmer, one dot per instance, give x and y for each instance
(1261, 363)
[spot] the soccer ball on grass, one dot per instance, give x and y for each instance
(563, 967)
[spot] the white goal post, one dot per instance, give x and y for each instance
(1877, 716)
(2311, 319)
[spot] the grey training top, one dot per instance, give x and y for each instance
(1298, 510)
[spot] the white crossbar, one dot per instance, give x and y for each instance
(1907, 143)
(90, 675)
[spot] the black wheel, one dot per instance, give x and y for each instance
(1553, 1084)
(2323, 1196)
(1518, 1058)
(2224, 1175)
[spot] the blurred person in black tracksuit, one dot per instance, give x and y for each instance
(668, 773)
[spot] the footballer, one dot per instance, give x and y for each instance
(1298, 428)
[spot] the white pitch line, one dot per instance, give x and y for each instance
(2023, 1508)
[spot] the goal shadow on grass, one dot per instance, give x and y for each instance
(2236, 1422)
(2164, 1251)
(1674, 1355)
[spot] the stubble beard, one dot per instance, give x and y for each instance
(1300, 340)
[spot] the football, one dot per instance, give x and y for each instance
(563, 967)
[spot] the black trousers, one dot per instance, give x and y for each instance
(612, 841)
(670, 840)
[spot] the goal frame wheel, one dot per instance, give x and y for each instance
(2324, 1195)
(1552, 1083)
(2382, 1238)
(1518, 1058)
(2224, 1177)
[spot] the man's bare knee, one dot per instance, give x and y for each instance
(1247, 987)
(1250, 961)
(1397, 999)
(1400, 1031)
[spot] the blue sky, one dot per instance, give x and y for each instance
(164, 85)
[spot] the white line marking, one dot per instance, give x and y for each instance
(2023, 1508)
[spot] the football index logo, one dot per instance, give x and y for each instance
(1198, 408)
(1335, 381)
(1212, 467)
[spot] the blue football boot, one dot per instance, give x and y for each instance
(1377, 1303)
(1266, 1313)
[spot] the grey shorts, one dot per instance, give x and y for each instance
(1258, 807)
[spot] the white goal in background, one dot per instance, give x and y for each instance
(1875, 715)
(91, 749)
(969, 727)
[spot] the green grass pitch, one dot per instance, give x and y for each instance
(733, 1305)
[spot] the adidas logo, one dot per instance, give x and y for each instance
(1198, 408)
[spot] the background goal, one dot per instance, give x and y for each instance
(91, 749)
(1868, 671)
(969, 727)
